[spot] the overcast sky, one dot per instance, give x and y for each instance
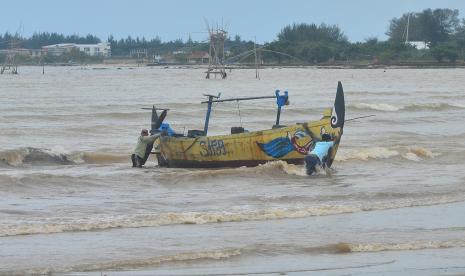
(263, 19)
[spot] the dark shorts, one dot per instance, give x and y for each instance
(311, 161)
(137, 161)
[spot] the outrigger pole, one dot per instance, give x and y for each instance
(238, 99)
(280, 101)
(209, 110)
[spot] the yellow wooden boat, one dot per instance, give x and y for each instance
(288, 143)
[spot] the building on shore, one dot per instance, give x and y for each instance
(419, 45)
(17, 51)
(58, 49)
(198, 57)
(100, 49)
(34, 53)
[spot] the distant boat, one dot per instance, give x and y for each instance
(241, 148)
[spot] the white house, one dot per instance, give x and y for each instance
(100, 49)
(58, 49)
(420, 45)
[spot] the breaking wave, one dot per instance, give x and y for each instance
(414, 245)
(409, 107)
(36, 156)
(272, 168)
(345, 247)
(226, 253)
(58, 156)
(134, 263)
(153, 220)
(283, 167)
(409, 153)
(279, 168)
(378, 107)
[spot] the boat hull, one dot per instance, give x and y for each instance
(290, 144)
(224, 164)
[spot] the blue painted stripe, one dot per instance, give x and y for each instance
(278, 147)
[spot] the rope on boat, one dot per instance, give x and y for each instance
(239, 111)
(189, 147)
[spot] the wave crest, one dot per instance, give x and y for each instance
(347, 247)
(152, 220)
(282, 166)
(377, 107)
(364, 154)
(272, 168)
(184, 256)
(20, 156)
(58, 155)
(409, 107)
(215, 254)
(225, 253)
(414, 245)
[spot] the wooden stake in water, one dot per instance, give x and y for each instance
(257, 75)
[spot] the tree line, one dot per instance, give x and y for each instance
(441, 29)
(37, 40)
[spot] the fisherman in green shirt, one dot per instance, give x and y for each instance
(143, 148)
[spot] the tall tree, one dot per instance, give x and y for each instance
(307, 43)
(312, 32)
(431, 26)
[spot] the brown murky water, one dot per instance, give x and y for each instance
(393, 203)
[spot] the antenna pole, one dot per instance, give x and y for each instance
(408, 25)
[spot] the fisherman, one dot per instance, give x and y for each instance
(318, 156)
(144, 144)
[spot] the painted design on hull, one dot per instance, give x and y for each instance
(279, 147)
(301, 142)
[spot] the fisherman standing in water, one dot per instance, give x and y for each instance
(320, 153)
(143, 148)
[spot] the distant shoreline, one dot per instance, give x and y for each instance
(335, 65)
(268, 66)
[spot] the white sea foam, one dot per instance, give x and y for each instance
(414, 245)
(56, 155)
(377, 106)
(290, 169)
(409, 153)
(132, 263)
(366, 153)
(434, 106)
(151, 220)
(411, 156)
(347, 247)
(459, 105)
(225, 253)
(407, 107)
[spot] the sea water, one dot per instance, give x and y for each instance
(393, 202)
